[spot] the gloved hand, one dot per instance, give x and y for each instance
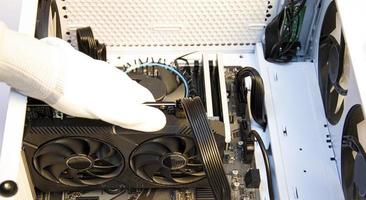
(73, 83)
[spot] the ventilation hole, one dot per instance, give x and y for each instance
(267, 11)
(332, 159)
(64, 7)
(268, 15)
(69, 41)
(325, 125)
(305, 171)
(270, 7)
(65, 16)
(300, 149)
(67, 33)
(265, 19)
(330, 146)
(119, 57)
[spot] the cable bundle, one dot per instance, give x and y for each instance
(256, 97)
(207, 147)
(281, 34)
(90, 46)
(43, 23)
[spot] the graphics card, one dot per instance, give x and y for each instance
(73, 154)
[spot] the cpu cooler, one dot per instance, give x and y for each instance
(74, 154)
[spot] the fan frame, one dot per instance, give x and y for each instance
(43, 145)
(154, 182)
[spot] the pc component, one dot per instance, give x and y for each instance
(330, 71)
(282, 33)
(353, 167)
(74, 154)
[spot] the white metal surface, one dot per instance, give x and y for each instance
(207, 79)
(301, 157)
(170, 23)
(20, 15)
(224, 99)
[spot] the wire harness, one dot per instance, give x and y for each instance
(90, 46)
(256, 97)
(207, 147)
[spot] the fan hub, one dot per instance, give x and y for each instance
(174, 161)
(79, 162)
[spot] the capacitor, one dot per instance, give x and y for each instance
(235, 173)
(235, 185)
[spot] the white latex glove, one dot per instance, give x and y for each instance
(73, 83)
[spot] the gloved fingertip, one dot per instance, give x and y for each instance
(151, 119)
(54, 41)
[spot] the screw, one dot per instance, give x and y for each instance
(8, 188)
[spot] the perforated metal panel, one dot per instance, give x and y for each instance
(169, 23)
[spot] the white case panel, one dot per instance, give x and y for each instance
(170, 23)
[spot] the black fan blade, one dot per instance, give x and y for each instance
(195, 164)
(112, 158)
(167, 174)
(110, 175)
(49, 160)
(199, 173)
(57, 170)
(73, 181)
(329, 23)
(94, 181)
(55, 148)
(151, 169)
(188, 179)
(100, 164)
(76, 145)
(107, 152)
(172, 143)
(142, 160)
(152, 149)
(93, 146)
(189, 145)
(48, 175)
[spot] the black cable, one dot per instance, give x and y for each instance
(45, 8)
(266, 162)
(207, 147)
(90, 46)
(281, 42)
(256, 98)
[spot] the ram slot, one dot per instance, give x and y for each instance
(206, 72)
(224, 100)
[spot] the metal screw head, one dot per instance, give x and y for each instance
(235, 172)
(8, 188)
